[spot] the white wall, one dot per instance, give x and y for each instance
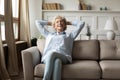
(35, 9)
(35, 13)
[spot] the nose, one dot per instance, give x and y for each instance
(59, 22)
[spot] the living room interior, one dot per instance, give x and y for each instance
(18, 33)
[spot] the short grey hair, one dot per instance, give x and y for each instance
(61, 17)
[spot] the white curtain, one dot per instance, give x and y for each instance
(3, 71)
(10, 40)
(24, 22)
(12, 65)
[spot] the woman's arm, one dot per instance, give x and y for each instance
(40, 26)
(79, 26)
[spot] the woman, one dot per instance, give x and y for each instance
(58, 47)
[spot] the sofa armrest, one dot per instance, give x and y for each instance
(30, 58)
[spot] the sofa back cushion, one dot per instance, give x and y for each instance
(110, 49)
(41, 45)
(86, 49)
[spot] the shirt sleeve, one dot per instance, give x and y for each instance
(40, 26)
(79, 26)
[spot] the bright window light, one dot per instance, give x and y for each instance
(15, 11)
(15, 28)
(2, 26)
(15, 6)
(2, 7)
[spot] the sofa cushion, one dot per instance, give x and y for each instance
(110, 49)
(84, 69)
(39, 70)
(41, 45)
(86, 49)
(110, 69)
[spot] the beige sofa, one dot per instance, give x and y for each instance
(92, 60)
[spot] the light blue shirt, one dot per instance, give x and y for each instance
(59, 42)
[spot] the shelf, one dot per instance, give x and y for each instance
(88, 11)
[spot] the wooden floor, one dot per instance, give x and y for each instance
(19, 77)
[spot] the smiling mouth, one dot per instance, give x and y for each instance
(59, 25)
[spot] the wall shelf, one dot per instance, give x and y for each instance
(87, 11)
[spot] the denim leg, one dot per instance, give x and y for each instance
(60, 59)
(57, 69)
(48, 67)
(50, 63)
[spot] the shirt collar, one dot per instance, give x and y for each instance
(58, 33)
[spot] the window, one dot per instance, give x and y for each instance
(15, 8)
(2, 30)
(2, 7)
(15, 11)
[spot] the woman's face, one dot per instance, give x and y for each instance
(59, 25)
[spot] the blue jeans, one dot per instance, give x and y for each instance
(53, 66)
